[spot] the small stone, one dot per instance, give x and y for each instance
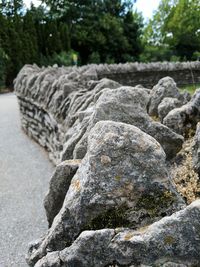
(105, 159)
(183, 120)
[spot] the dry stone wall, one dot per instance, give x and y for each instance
(149, 74)
(112, 200)
(51, 98)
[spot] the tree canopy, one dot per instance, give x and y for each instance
(95, 31)
(175, 29)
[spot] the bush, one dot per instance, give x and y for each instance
(156, 53)
(94, 58)
(196, 56)
(61, 59)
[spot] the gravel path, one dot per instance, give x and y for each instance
(24, 174)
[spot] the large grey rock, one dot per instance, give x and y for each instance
(173, 241)
(121, 182)
(80, 110)
(166, 87)
(184, 97)
(81, 102)
(184, 119)
(196, 150)
(124, 104)
(166, 105)
(58, 187)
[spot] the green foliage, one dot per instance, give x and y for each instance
(3, 61)
(94, 58)
(99, 31)
(155, 53)
(61, 59)
(176, 24)
(106, 28)
(106, 31)
(190, 88)
(196, 55)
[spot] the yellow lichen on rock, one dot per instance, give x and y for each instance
(186, 179)
(76, 185)
(105, 159)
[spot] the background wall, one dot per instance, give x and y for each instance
(149, 74)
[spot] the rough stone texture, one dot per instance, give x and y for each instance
(184, 119)
(166, 105)
(58, 187)
(166, 87)
(57, 103)
(124, 104)
(122, 181)
(51, 98)
(172, 241)
(183, 173)
(149, 74)
(196, 150)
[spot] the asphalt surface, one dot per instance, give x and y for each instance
(25, 171)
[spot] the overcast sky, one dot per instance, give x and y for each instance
(145, 6)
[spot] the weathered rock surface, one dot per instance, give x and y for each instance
(124, 104)
(51, 98)
(166, 105)
(184, 119)
(166, 87)
(58, 187)
(121, 182)
(172, 241)
(196, 150)
(122, 185)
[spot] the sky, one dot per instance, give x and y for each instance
(145, 6)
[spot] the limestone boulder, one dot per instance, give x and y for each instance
(124, 104)
(184, 119)
(184, 97)
(166, 87)
(166, 105)
(121, 182)
(58, 187)
(81, 101)
(171, 242)
(196, 150)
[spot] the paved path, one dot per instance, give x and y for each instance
(24, 174)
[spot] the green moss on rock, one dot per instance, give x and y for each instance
(154, 202)
(112, 218)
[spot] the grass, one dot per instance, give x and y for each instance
(190, 88)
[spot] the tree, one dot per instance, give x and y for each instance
(3, 62)
(183, 28)
(176, 25)
(97, 30)
(11, 8)
(90, 24)
(29, 37)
